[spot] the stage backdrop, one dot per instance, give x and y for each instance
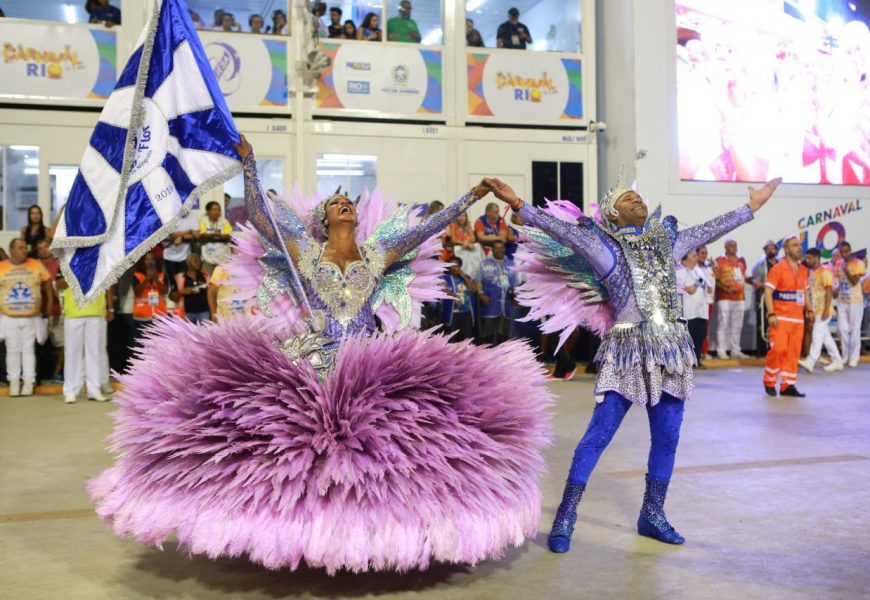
(390, 80)
(251, 70)
(56, 62)
(524, 87)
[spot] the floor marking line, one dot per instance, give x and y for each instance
(54, 515)
(756, 464)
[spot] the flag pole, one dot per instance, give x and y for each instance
(297, 281)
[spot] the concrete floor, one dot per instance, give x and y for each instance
(771, 494)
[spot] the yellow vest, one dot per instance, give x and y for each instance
(71, 310)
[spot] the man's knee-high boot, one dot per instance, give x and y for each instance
(566, 516)
(652, 521)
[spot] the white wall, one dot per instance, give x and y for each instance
(651, 47)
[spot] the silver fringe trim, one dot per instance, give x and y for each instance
(665, 345)
(137, 115)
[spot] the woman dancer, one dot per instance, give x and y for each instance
(646, 356)
(322, 439)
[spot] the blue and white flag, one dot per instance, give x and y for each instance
(164, 138)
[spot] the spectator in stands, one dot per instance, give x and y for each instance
(100, 11)
(490, 228)
(513, 235)
(218, 19)
(821, 304)
(349, 30)
(190, 290)
(434, 207)
(472, 35)
(459, 234)
(710, 271)
(55, 319)
(279, 23)
(850, 302)
(335, 29)
(730, 301)
(403, 28)
(512, 33)
(229, 23)
(84, 327)
(214, 233)
(255, 22)
(35, 229)
(496, 282)
(2, 14)
(759, 276)
(177, 246)
(221, 303)
(24, 286)
(458, 310)
(692, 284)
(369, 30)
(197, 20)
(149, 293)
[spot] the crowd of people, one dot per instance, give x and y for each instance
(794, 321)
(47, 336)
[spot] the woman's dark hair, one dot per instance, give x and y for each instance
(210, 204)
(367, 22)
(42, 230)
(352, 24)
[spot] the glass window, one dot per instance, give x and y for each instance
(542, 25)
(352, 15)
(417, 22)
(64, 11)
(355, 173)
(60, 181)
(21, 170)
(271, 172)
(245, 16)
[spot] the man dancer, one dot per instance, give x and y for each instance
(850, 303)
(646, 358)
(822, 306)
(785, 294)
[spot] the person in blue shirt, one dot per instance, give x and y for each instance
(457, 312)
(99, 11)
(496, 280)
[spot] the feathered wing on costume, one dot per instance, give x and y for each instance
(560, 287)
(262, 276)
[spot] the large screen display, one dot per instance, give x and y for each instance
(769, 88)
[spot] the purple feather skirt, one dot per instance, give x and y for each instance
(412, 451)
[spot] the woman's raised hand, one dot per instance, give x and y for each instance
(504, 192)
(244, 148)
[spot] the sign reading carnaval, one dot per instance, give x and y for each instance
(56, 62)
(832, 223)
(515, 85)
(389, 79)
(251, 70)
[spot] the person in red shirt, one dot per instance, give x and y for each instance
(730, 303)
(785, 296)
(490, 228)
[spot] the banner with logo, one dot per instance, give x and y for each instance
(251, 70)
(388, 79)
(524, 86)
(56, 62)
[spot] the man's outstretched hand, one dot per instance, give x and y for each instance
(757, 198)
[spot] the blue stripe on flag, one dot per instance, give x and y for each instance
(204, 130)
(84, 265)
(179, 177)
(109, 141)
(140, 218)
(173, 30)
(89, 219)
(131, 70)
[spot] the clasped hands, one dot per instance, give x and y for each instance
(500, 189)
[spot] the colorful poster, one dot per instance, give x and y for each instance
(251, 70)
(385, 78)
(524, 86)
(56, 62)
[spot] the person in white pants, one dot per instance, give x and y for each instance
(822, 305)
(25, 285)
(730, 301)
(850, 303)
(84, 330)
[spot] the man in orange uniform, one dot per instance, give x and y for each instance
(785, 296)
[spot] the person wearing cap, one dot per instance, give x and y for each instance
(757, 279)
(512, 33)
(403, 28)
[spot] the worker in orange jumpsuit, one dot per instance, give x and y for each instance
(785, 296)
